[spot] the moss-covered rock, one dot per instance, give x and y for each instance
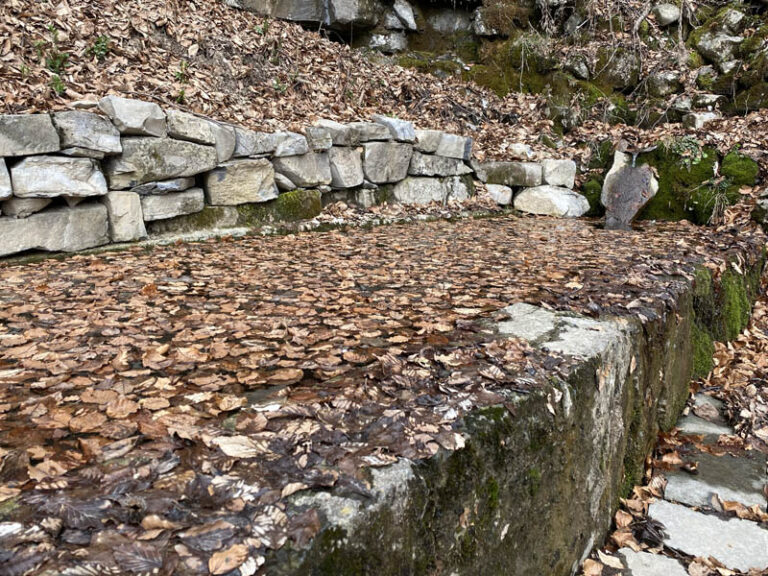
(288, 207)
(739, 169)
(426, 62)
(591, 190)
(749, 100)
(618, 68)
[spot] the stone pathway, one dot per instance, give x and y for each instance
(692, 526)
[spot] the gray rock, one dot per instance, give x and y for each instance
(56, 230)
(733, 20)
(319, 138)
(404, 12)
(626, 190)
(733, 479)
(449, 21)
(664, 83)
(86, 134)
(51, 176)
(738, 544)
(134, 116)
(502, 195)
(666, 14)
(480, 26)
(23, 207)
(527, 174)
(307, 171)
(427, 141)
(24, 134)
(385, 162)
(646, 564)
(150, 159)
(370, 131)
(5, 181)
(346, 14)
(400, 130)
(171, 205)
(431, 165)
(621, 69)
(455, 146)
(558, 172)
(728, 66)
(391, 21)
(250, 143)
(425, 190)
(185, 126)
(307, 11)
(694, 425)
(290, 144)
(126, 222)
(388, 43)
(225, 141)
(697, 120)
(578, 65)
(551, 201)
(346, 167)
(240, 182)
(718, 46)
(283, 184)
(341, 134)
(708, 101)
(165, 186)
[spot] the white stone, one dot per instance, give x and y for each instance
(225, 141)
(454, 146)
(126, 222)
(185, 126)
(388, 43)
(480, 27)
(319, 138)
(290, 144)
(150, 159)
(646, 564)
(240, 182)
(449, 21)
(697, 120)
(23, 207)
(400, 130)
(385, 162)
(51, 176)
(306, 171)
(283, 184)
(86, 134)
(171, 205)
(134, 116)
(250, 143)
(415, 190)
(427, 141)
(718, 46)
(551, 201)
(5, 181)
(341, 134)
(738, 544)
(559, 172)
(346, 167)
(404, 12)
(57, 230)
(666, 14)
(433, 165)
(370, 131)
(24, 134)
(502, 195)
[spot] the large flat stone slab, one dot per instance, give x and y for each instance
(56, 230)
(172, 205)
(434, 165)
(240, 182)
(86, 134)
(692, 424)
(346, 167)
(738, 544)
(526, 174)
(135, 117)
(386, 162)
(552, 201)
(305, 171)
(418, 190)
(52, 176)
(23, 134)
(646, 564)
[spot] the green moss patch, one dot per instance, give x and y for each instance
(739, 169)
(703, 351)
(288, 207)
(592, 190)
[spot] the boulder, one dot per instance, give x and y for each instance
(404, 12)
(454, 146)
(558, 172)
(502, 195)
(165, 186)
(306, 171)
(432, 165)
(619, 68)
(551, 201)
(666, 14)
(370, 131)
(385, 162)
(388, 43)
(5, 181)
(250, 143)
(626, 190)
(23, 207)
(86, 134)
(57, 230)
(134, 116)
(319, 138)
(527, 174)
(718, 46)
(51, 176)
(697, 120)
(346, 14)
(414, 190)
(733, 20)
(171, 205)
(225, 141)
(149, 159)
(24, 134)
(449, 21)
(427, 141)
(185, 126)
(662, 84)
(400, 130)
(240, 182)
(346, 167)
(341, 134)
(126, 222)
(290, 144)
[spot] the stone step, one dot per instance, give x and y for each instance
(738, 544)
(647, 564)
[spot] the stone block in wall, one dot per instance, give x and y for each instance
(149, 159)
(23, 207)
(290, 144)
(56, 230)
(319, 138)
(225, 141)
(5, 181)
(454, 146)
(346, 167)
(527, 174)
(126, 221)
(185, 126)
(559, 172)
(415, 190)
(341, 134)
(432, 165)
(251, 143)
(24, 134)
(135, 117)
(552, 201)
(86, 134)
(164, 186)
(283, 183)
(240, 182)
(502, 195)
(400, 130)
(385, 162)
(306, 171)
(370, 131)
(427, 141)
(52, 176)
(172, 205)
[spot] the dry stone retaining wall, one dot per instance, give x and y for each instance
(108, 172)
